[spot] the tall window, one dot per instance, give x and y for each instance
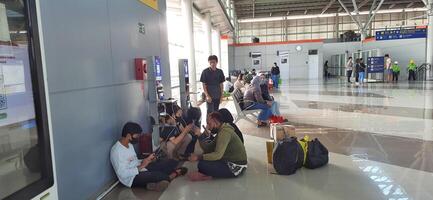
(25, 159)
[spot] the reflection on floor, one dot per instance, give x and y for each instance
(346, 177)
(375, 155)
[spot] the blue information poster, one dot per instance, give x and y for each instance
(185, 66)
(375, 64)
(158, 73)
(401, 34)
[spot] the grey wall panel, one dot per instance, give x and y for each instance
(298, 68)
(90, 47)
(131, 105)
(84, 127)
(127, 42)
(402, 51)
(77, 41)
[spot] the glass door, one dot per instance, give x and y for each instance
(25, 156)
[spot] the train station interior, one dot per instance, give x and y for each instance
(216, 99)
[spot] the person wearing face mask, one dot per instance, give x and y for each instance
(175, 138)
(149, 173)
(223, 157)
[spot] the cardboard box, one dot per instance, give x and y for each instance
(282, 130)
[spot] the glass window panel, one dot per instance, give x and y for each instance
(291, 29)
(21, 157)
(315, 36)
(292, 37)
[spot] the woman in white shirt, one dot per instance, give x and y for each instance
(349, 69)
(388, 70)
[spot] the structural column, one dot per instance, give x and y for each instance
(429, 55)
(208, 33)
(337, 27)
(188, 17)
(218, 42)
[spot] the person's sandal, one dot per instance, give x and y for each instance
(158, 187)
(181, 171)
(262, 124)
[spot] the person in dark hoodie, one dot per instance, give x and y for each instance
(228, 118)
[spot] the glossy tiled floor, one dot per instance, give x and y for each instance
(380, 137)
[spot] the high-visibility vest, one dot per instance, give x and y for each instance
(411, 67)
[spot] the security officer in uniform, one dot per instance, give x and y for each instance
(411, 68)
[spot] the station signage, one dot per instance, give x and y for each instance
(401, 34)
(375, 64)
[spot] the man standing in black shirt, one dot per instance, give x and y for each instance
(212, 79)
(275, 75)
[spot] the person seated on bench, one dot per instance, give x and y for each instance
(174, 138)
(149, 173)
(253, 95)
(228, 87)
(264, 87)
(239, 84)
(223, 157)
(227, 117)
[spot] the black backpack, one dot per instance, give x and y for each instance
(288, 156)
(317, 155)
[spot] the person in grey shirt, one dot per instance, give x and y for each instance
(212, 79)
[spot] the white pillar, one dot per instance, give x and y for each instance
(218, 46)
(187, 14)
(337, 27)
(363, 35)
(208, 33)
(429, 55)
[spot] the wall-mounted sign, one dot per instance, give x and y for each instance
(401, 34)
(151, 3)
(158, 72)
(141, 28)
(375, 64)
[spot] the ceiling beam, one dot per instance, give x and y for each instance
(355, 7)
(254, 8)
(410, 4)
(362, 4)
(391, 6)
(350, 14)
(374, 14)
(327, 6)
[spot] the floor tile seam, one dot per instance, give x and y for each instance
(339, 101)
(362, 113)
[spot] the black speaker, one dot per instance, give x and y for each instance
(278, 53)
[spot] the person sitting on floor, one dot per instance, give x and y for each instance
(254, 100)
(223, 157)
(175, 138)
(149, 173)
(227, 117)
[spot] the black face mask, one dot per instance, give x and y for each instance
(134, 141)
(214, 130)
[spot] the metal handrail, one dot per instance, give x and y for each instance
(424, 68)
